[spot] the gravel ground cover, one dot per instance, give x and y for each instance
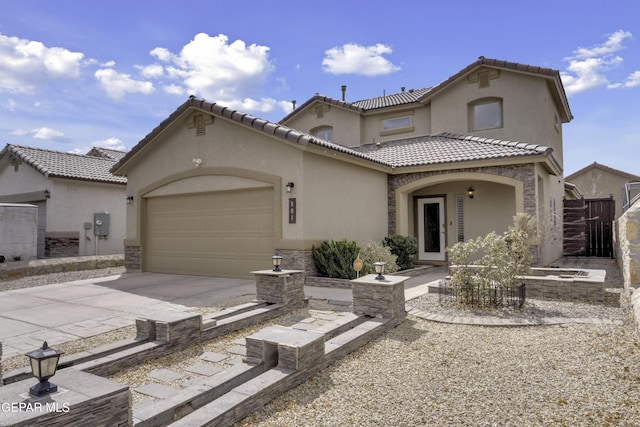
(434, 374)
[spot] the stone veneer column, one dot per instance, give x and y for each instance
(374, 297)
(82, 399)
(285, 287)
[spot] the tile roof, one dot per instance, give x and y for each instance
(421, 95)
(270, 128)
(449, 148)
(400, 98)
(65, 165)
(596, 165)
(106, 152)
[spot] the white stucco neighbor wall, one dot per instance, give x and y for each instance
(18, 231)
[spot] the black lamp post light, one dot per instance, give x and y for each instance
(276, 260)
(44, 363)
(379, 267)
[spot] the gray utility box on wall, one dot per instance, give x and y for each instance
(101, 224)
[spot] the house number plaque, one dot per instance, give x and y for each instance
(292, 210)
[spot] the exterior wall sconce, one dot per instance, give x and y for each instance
(47, 194)
(276, 260)
(129, 200)
(379, 267)
(44, 363)
(471, 192)
(289, 186)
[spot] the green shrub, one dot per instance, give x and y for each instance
(374, 251)
(404, 247)
(335, 259)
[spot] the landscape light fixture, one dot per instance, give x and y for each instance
(289, 186)
(379, 267)
(471, 192)
(276, 260)
(129, 200)
(44, 363)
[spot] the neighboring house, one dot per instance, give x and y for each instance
(71, 191)
(598, 181)
(217, 192)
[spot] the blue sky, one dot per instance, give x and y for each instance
(76, 74)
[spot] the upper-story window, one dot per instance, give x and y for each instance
(486, 114)
(396, 123)
(324, 132)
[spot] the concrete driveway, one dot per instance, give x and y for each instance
(69, 311)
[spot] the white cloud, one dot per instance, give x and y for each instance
(588, 67)
(213, 68)
(25, 64)
(112, 143)
(632, 81)
(11, 104)
(174, 89)
(613, 44)
(20, 132)
(48, 134)
(116, 85)
(153, 71)
(355, 59)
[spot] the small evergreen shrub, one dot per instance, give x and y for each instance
(374, 251)
(404, 247)
(335, 259)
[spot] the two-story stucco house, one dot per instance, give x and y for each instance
(72, 192)
(217, 192)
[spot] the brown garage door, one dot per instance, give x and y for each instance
(224, 234)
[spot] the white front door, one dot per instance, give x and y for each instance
(431, 229)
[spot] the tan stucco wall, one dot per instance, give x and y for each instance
(346, 124)
(527, 108)
(491, 209)
(235, 157)
(372, 124)
(549, 196)
(342, 201)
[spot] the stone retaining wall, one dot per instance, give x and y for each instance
(16, 270)
(629, 257)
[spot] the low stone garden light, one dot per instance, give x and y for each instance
(276, 260)
(44, 363)
(379, 267)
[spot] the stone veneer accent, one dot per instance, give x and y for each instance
(298, 260)
(60, 244)
(82, 400)
(524, 172)
(284, 287)
(385, 298)
(628, 251)
(133, 257)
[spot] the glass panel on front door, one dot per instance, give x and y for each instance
(431, 227)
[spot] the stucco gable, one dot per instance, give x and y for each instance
(550, 75)
(279, 131)
(596, 165)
